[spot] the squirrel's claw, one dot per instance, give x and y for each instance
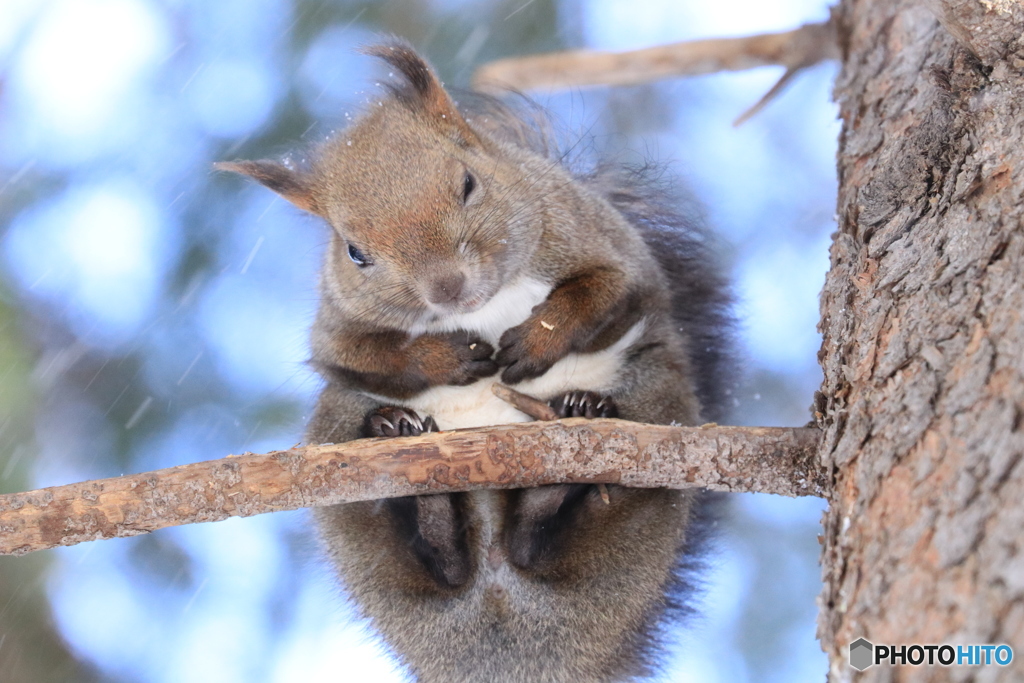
(584, 404)
(394, 421)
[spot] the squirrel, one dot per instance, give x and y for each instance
(463, 252)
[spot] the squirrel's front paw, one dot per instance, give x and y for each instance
(529, 350)
(395, 421)
(474, 355)
(584, 404)
(455, 358)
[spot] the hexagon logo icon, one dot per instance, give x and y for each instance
(861, 654)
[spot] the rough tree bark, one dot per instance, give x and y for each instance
(923, 349)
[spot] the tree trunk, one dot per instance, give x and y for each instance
(923, 349)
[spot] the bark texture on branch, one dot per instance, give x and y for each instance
(765, 459)
(923, 322)
(802, 47)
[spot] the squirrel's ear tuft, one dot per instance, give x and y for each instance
(291, 184)
(424, 92)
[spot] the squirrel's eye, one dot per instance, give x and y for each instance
(358, 257)
(468, 185)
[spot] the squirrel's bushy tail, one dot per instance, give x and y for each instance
(701, 298)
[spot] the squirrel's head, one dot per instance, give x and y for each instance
(429, 217)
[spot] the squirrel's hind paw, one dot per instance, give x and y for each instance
(395, 421)
(584, 404)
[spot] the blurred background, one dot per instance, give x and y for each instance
(153, 313)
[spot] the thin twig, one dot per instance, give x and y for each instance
(797, 49)
(524, 403)
(767, 97)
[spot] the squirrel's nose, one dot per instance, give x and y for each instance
(446, 289)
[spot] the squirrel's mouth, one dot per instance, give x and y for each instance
(478, 297)
(474, 303)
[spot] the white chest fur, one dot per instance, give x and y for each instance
(510, 306)
(475, 405)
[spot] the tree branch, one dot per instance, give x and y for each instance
(763, 459)
(795, 50)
